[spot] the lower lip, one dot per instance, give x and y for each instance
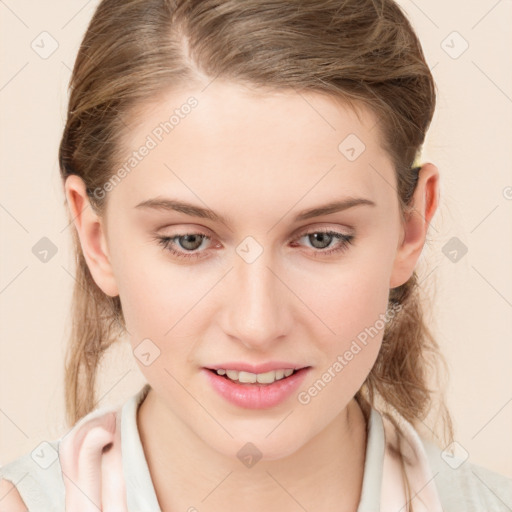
(256, 396)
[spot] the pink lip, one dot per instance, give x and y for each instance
(256, 396)
(257, 368)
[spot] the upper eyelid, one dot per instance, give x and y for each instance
(299, 232)
(314, 229)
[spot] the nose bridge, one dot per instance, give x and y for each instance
(256, 306)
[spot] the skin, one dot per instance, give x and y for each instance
(257, 159)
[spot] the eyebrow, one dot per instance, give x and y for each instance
(168, 204)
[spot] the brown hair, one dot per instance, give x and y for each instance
(361, 52)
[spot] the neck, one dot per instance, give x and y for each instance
(324, 474)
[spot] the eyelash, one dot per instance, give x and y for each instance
(345, 240)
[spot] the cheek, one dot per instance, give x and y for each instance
(160, 304)
(354, 307)
(166, 309)
(154, 295)
(157, 322)
(347, 298)
(350, 306)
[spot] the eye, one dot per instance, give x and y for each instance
(187, 245)
(187, 242)
(321, 239)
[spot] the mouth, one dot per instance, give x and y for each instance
(259, 379)
(252, 394)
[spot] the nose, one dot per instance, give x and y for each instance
(257, 304)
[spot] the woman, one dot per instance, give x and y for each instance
(242, 179)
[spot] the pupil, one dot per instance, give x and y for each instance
(319, 237)
(190, 239)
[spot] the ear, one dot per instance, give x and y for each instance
(91, 231)
(414, 231)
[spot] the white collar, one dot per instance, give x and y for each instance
(121, 474)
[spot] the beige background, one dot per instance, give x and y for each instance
(470, 142)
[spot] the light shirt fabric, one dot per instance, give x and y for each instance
(55, 476)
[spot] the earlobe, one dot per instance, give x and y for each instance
(91, 232)
(424, 201)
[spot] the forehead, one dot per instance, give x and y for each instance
(258, 145)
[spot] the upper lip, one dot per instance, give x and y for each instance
(257, 368)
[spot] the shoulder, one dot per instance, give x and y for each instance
(10, 499)
(467, 487)
(88, 455)
(33, 480)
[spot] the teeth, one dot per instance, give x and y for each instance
(251, 378)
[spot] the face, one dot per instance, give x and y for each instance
(258, 280)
